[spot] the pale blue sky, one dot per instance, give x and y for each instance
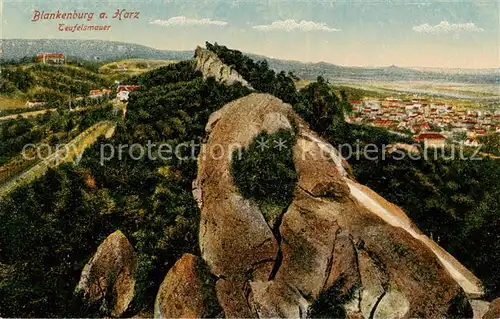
(365, 33)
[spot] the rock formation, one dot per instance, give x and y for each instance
(336, 233)
(108, 277)
(494, 310)
(185, 292)
(209, 64)
(479, 308)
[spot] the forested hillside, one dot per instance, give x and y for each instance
(50, 83)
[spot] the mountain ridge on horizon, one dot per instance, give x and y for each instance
(14, 49)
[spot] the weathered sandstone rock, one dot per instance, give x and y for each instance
(479, 308)
(109, 275)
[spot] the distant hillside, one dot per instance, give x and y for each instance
(14, 49)
(110, 50)
(337, 73)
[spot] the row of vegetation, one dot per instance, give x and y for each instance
(490, 144)
(50, 228)
(50, 83)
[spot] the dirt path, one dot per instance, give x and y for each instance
(489, 155)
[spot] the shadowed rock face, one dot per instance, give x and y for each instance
(209, 64)
(109, 275)
(334, 233)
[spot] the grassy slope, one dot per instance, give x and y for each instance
(133, 67)
(60, 82)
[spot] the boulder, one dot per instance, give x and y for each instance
(209, 64)
(185, 291)
(108, 277)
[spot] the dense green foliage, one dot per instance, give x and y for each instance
(149, 200)
(92, 66)
(17, 133)
(179, 72)
(265, 171)
(18, 78)
(320, 107)
(45, 230)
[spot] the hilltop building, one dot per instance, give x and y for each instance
(51, 58)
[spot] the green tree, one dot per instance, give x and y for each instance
(320, 107)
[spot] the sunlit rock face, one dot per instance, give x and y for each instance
(209, 64)
(493, 310)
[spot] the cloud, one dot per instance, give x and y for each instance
(290, 25)
(446, 27)
(183, 21)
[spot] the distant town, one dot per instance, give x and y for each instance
(433, 123)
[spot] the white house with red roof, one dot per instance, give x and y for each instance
(435, 140)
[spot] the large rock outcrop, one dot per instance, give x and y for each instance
(108, 277)
(209, 64)
(479, 308)
(336, 233)
(186, 291)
